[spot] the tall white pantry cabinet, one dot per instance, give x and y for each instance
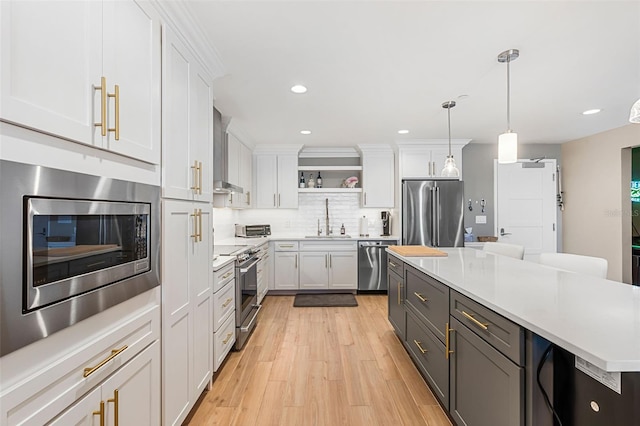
(187, 276)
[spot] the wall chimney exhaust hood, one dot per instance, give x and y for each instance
(221, 183)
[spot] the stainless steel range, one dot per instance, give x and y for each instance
(247, 306)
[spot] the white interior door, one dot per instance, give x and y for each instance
(526, 213)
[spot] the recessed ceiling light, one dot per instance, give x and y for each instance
(305, 132)
(403, 131)
(298, 88)
(591, 111)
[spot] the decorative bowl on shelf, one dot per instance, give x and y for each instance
(350, 182)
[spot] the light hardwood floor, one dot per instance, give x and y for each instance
(320, 366)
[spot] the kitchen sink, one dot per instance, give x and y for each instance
(328, 237)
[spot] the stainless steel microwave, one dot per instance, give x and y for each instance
(72, 245)
(249, 231)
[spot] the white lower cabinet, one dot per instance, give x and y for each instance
(224, 312)
(187, 306)
(118, 365)
(314, 270)
(285, 273)
(263, 271)
(328, 265)
(131, 396)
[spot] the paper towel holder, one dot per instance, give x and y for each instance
(364, 226)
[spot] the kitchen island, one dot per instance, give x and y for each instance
(595, 319)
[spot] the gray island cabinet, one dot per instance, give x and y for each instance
(477, 326)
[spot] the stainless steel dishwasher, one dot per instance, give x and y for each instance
(372, 266)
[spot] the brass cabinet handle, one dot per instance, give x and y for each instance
(419, 296)
(274, 200)
(326, 261)
(475, 321)
(224, 342)
(114, 353)
(330, 261)
(422, 350)
(116, 415)
(103, 106)
(393, 264)
(116, 95)
(278, 200)
(296, 262)
(200, 177)
(195, 225)
(447, 352)
(100, 413)
(200, 222)
(399, 298)
(227, 275)
(226, 302)
(286, 245)
(365, 198)
(194, 187)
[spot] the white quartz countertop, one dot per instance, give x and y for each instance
(593, 318)
(222, 261)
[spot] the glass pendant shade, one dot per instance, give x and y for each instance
(634, 115)
(450, 169)
(508, 148)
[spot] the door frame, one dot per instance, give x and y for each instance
(557, 218)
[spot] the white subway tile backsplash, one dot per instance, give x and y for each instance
(343, 208)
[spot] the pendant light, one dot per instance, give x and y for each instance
(634, 115)
(508, 141)
(450, 169)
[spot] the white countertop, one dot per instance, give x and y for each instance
(593, 318)
(221, 261)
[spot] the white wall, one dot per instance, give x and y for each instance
(596, 177)
(343, 208)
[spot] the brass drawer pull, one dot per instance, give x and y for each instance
(116, 95)
(475, 321)
(227, 275)
(226, 302)
(393, 264)
(225, 341)
(424, 351)
(419, 296)
(114, 353)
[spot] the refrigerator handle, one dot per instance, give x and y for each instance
(437, 204)
(434, 217)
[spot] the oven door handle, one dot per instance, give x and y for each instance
(245, 270)
(246, 328)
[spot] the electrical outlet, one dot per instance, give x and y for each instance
(481, 219)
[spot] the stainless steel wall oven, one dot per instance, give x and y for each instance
(72, 245)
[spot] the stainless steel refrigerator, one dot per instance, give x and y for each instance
(433, 212)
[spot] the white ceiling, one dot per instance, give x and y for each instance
(374, 67)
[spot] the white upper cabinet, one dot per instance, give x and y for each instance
(54, 58)
(425, 158)
(187, 137)
(378, 177)
(276, 178)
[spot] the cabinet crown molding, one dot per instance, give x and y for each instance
(372, 148)
(328, 152)
(419, 143)
(278, 149)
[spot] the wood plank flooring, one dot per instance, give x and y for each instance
(320, 366)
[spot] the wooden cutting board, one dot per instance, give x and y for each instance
(417, 251)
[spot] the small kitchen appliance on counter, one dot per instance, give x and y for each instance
(386, 223)
(252, 231)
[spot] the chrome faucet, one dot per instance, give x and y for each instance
(326, 217)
